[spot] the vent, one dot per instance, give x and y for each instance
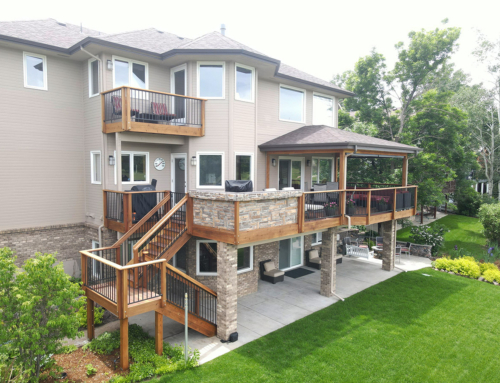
(60, 23)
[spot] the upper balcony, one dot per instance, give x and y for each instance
(139, 110)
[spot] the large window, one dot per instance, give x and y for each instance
(245, 259)
(129, 72)
(95, 167)
(323, 110)
(245, 80)
(321, 170)
(35, 71)
(93, 77)
(135, 167)
(244, 166)
(211, 79)
(292, 104)
(206, 257)
(210, 170)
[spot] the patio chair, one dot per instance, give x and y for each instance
(406, 249)
(397, 254)
(313, 259)
(270, 273)
(116, 103)
(357, 251)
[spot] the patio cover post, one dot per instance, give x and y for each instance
(329, 262)
(227, 289)
(389, 248)
(405, 171)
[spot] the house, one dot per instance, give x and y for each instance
(90, 119)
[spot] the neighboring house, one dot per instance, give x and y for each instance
(86, 116)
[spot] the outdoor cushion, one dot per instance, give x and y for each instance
(315, 260)
(313, 254)
(158, 108)
(269, 266)
(274, 273)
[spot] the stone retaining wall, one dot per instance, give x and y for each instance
(417, 250)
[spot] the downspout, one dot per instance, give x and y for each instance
(103, 138)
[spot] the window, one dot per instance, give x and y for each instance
(129, 72)
(245, 259)
(93, 77)
(96, 265)
(322, 170)
(323, 110)
(292, 104)
(245, 83)
(135, 167)
(317, 238)
(244, 166)
(206, 257)
(210, 170)
(211, 82)
(179, 260)
(35, 71)
(95, 167)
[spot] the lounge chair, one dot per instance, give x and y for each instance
(116, 102)
(269, 273)
(313, 259)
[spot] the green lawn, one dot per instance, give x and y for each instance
(465, 232)
(410, 328)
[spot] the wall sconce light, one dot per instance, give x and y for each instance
(193, 161)
(111, 160)
(308, 163)
(110, 65)
(273, 161)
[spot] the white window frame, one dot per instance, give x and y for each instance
(323, 158)
(131, 167)
(92, 180)
(316, 236)
(174, 262)
(303, 103)
(25, 71)
(315, 122)
(95, 263)
(251, 261)
(301, 252)
(89, 70)
(251, 162)
(200, 63)
(198, 165)
(252, 100)
(198, 272)
(130, 62)
(173, 71)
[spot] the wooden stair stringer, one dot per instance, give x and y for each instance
(195, 323)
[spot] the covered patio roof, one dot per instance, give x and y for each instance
(322, 137)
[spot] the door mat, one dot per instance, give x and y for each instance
(297, 273)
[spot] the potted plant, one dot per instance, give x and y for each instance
(350, 206)
(382, 204)
(331, 209)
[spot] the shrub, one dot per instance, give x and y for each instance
(82, 313)
(91, 370)
(443, 263)
(468, 201)
(489, 215)
(466, 266)
(487, 266)
(492, 275)
(428, 235)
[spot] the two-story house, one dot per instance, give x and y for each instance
(89, 120)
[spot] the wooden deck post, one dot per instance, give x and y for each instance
(158, 333)
(124, 344)
(394, 205)
(405, 171)
(342, 171)
(163, 268)
(202, 133)
(128, 110)
(90, 319)
(368, 207)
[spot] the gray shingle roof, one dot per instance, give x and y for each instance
(324, 137)
(288, 71)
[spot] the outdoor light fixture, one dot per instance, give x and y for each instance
(110, 65)
(111, 160)
(193, 161)
(273, 161)
(308, 163)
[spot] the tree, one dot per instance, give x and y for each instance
(38, 308)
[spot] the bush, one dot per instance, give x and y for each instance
(468, 201)
(443, 263)
(492, 275)
(428, 235)
(489, 215)
(487, 266)
(82, 313)
(464, 266)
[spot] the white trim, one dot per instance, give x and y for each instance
(89, 71)
(251, 163)
(178, 68)
(302, 169)
(252, 98)
(173, 156)
(290, 255)
(223, 64)
(92, 152)
(25, 71)
(303, 103)
(316, 235)
(251, 261)
(198, 272)
(198, 164)
(95, 263)
(130, 62)
(315, 122)
(323, 158)
(131, 153)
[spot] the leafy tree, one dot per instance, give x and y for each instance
(38, 308)
(489, 215)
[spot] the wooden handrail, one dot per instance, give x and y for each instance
(194, 281)
(357, 190)
(151, 91)
(119, 267)
(135, 192)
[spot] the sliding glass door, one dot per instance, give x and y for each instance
(290, 253)
(291, 173)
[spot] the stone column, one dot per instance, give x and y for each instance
(328, 262)
(227, 290)
(389, 238)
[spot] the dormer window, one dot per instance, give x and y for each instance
(211, 80)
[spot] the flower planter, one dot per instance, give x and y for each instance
(382, 207)
(351, 210)
(331, 211)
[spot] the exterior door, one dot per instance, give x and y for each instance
(179, 176)
(290, 253)
(291, 173)
(178, 85)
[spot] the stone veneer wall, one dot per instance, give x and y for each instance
(219, 214)
(66, 240)
(268, 213)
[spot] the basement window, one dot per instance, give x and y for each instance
(245, 259)
(206, 258)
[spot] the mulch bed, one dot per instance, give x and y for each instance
(74, 366)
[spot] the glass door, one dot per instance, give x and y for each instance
(178, 86)
(290, 253)
(284, 174)
(284, 252)
(290, 173)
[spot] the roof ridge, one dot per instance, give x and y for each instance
(196, 39)
(126, 33)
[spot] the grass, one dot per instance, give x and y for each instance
(410, 328)
(465, 232)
